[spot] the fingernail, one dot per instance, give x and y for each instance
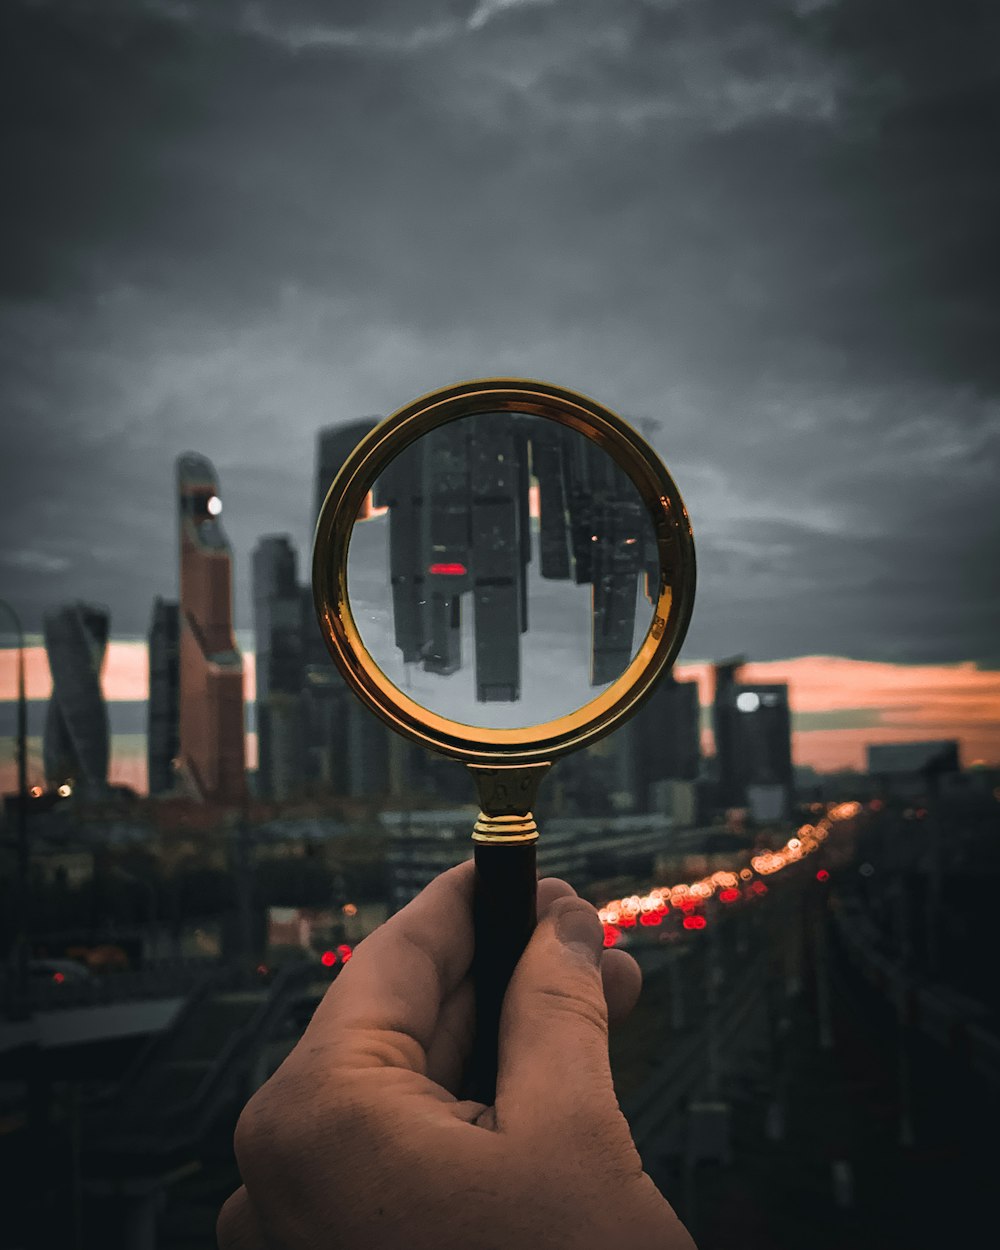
(576, 929)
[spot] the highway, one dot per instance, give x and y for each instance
(793, 1080)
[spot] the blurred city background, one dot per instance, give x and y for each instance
(817, 1032)
(767, 236)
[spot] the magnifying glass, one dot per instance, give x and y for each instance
(502, 570)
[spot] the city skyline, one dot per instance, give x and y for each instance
(839, 706)
(237, 235)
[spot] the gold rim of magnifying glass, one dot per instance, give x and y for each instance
(672, 610)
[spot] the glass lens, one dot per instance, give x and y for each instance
(503, 571)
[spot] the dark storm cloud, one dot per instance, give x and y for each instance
(769, 227)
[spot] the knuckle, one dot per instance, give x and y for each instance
(576, 919)
(569, 903)
(268, 1129)
(250, 1129)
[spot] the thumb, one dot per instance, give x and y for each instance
(553, 1062)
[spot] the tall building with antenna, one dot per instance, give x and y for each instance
(211, 757)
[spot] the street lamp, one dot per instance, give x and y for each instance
(21, 904)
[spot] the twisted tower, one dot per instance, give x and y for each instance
(75, 746)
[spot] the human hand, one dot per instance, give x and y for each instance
(360, 1141)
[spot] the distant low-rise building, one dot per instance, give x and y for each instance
(940, 756)
(907, 768)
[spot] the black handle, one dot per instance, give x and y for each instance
(504, 916)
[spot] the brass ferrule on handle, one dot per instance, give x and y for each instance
(505, 830)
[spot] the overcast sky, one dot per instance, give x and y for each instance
(771, 227)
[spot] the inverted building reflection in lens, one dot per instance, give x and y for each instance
(471, 505)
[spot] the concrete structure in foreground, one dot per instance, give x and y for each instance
(211, 748)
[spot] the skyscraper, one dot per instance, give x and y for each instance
(334, 444)
(607, 524)
(400, 488)
(553, 507)
(497, 477)
(725, 730)
(163, 712)
(660, 743)
(76, 742)
(753, 735)
(346, 748)
(765, 733)
(461, 527)
(278, 630)
(666, 737)
(212, 755)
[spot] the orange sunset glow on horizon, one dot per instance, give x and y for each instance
(839, 705)
(886, 703)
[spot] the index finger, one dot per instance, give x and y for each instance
(383, 1007)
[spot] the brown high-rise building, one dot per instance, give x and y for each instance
(212, 758)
